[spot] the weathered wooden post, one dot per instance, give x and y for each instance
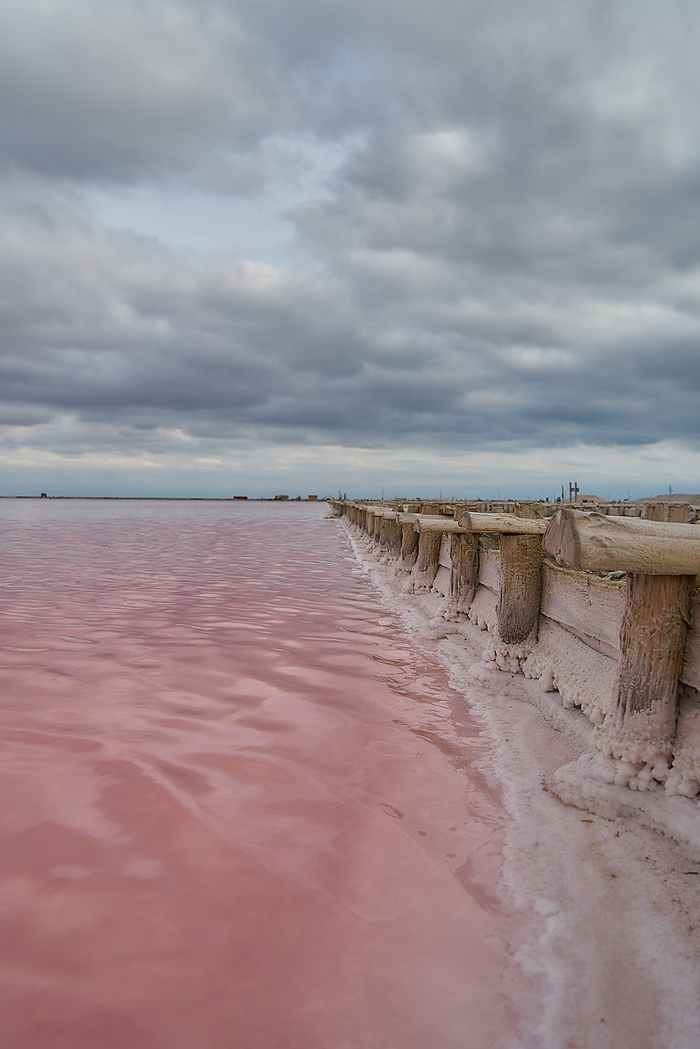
(390, 532)
(372, 517)
(426, 566)
(464, 554)
(679, 513)
(409, 540)
(520, 549)
(435, 552)
(661, 561)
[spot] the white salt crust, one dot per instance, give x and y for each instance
(582, 676)
(618, 905)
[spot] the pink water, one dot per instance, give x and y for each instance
(227, 820)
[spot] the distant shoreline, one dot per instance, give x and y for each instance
(170, 498)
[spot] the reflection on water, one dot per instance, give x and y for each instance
(227, 824)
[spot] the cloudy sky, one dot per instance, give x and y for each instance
(250, 246)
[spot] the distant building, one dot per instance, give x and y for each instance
(312, 498)
(591, 500)
(240, 497)
(281, 497)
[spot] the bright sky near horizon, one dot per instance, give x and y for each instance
(251, 246)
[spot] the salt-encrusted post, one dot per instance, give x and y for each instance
(661, 561)
(464, 554)
(521, 586)
(377, 524)
(409, 540)
(372, 526)
(390, 532)
(520, 550)
(429, 543)
(677, 512)
(431, 532)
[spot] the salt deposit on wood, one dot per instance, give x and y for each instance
(490, 568)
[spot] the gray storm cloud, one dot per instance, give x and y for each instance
(508, 252)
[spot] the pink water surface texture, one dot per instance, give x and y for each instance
(229, 820)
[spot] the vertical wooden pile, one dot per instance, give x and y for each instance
(661, 561)
(520, 550)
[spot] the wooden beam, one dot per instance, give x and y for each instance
(587, 605)
(437, 524)
(502, 523)
(597, 543)
(521, 586)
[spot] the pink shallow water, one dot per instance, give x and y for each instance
(227, 823)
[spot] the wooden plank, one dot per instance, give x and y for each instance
(597, 543)
(583, 603)
(483, 610)
(521, 585)
(642, 722)
(490, 569)
(502, 523)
